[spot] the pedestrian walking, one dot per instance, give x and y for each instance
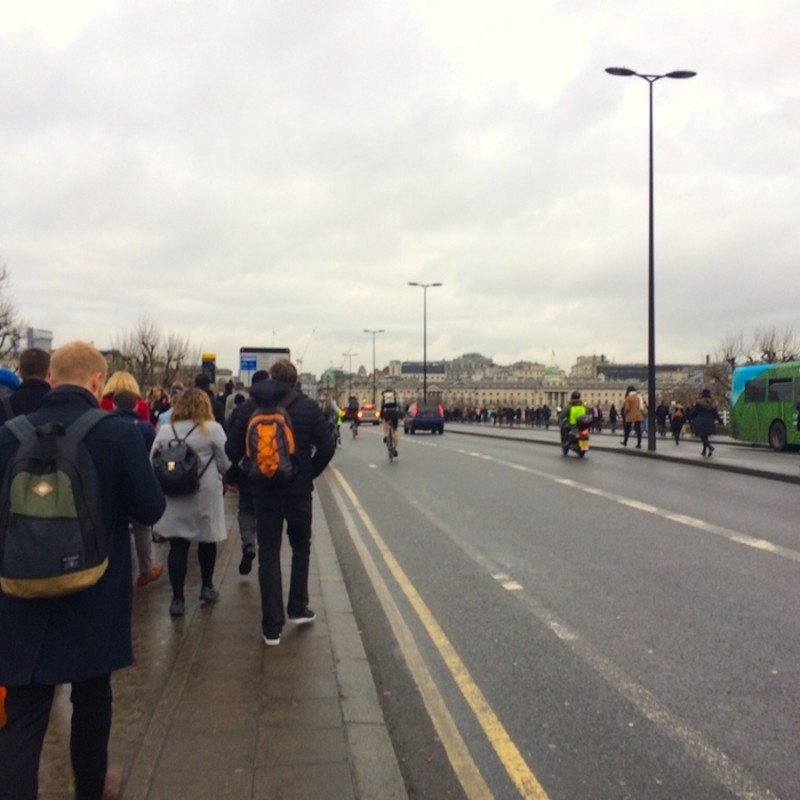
(246, 512)
(125, 404)
(286, 502)
(613, 416)
(676, 421)
(704, 419)
(31, 387)
(79, 638)
(632, 416)
(200, 516)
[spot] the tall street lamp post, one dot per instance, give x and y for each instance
(424, 287)
(349, 355)
(367, 330)
(651, 318)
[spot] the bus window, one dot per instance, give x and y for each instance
(779, 390)
(754, 391)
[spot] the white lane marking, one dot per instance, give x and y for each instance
(715, 761)
(736, 537)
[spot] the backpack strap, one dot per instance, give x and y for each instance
(175, 433)
(7, 407)
(21, 428)
(288, 398)
(182, 441)
(85, 422)
(24, 430)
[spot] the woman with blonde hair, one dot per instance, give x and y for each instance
(124, 381)
(197, 517)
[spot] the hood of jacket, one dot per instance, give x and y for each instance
(706, 403)
(269, 392)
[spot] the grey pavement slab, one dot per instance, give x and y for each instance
(209, 711)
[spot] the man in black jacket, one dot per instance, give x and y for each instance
(83, 637)
(34, 369)
(289, 502)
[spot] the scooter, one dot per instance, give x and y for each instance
(577, 437)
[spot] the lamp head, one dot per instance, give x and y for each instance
(681, 73)
(622, 71)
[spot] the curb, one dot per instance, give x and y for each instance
(707, 464)
(374, 765)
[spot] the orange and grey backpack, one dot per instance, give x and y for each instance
(269, 447)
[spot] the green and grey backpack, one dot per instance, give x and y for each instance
(53, 541)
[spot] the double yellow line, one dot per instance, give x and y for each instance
(463, 764)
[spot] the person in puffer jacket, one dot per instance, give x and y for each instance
(289, 502)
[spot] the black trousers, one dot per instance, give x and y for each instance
(21, 740)
(637, 426)
(178, 563)
(271, 512)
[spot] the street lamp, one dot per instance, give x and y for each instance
(349, 354)
(651, 317)
(367, 330)
(424, 287)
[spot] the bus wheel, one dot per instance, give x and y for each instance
(777, 435)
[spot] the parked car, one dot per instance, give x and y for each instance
(424, 417)
(369, 414)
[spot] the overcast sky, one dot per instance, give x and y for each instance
(256, 172)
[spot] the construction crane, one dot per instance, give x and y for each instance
(302, 355)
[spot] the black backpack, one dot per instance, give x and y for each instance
(53, 540)
(177, 466)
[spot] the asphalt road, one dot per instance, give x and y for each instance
(542, 626)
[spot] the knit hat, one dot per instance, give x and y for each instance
(705, 393)
(9, 379)
(261, 375)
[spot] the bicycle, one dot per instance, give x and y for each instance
(390, 431)
(390, 445)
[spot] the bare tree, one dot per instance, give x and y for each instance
(150, 355)
(10, 323)
(175, 356)
(730, 352)
(771, 345)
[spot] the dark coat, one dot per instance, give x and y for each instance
(705, 416)
(314, 444)
(86, 634)
(26, 397)
(146, 429)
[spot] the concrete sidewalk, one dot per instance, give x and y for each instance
(208, 712)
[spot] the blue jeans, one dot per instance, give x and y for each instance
(271, 511)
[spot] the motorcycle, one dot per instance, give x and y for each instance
(577, 436)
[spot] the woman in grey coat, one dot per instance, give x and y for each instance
(198, 517)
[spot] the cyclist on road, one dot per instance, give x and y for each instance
(390, 414)
(352, 414)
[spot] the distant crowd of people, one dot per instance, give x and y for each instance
(82, 637)
(671, 418)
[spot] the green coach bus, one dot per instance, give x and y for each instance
(765, 404)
